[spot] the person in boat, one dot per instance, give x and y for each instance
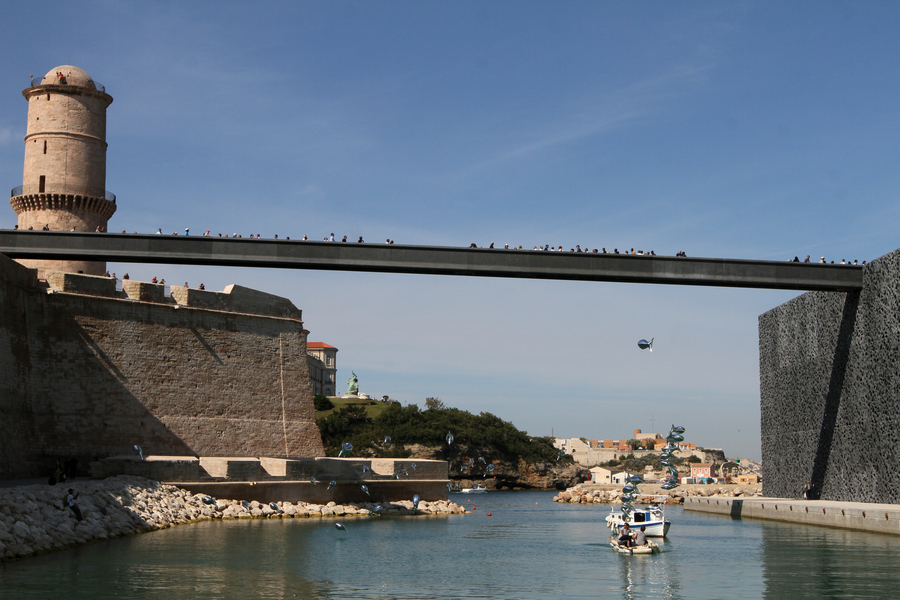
(640, 538)
(625, 537)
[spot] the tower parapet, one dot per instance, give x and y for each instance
(64, 180)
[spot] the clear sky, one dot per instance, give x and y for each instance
(747, 129)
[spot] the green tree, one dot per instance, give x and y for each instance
(433, 404)
(635, 444)
(321, 402)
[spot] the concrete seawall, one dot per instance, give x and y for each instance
(859, 516)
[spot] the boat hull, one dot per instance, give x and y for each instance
(648, 548)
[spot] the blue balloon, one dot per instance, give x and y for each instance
(340, 527)
(416, 501)
(366, 490)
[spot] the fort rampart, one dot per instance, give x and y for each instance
(87, 372)
(830, 391)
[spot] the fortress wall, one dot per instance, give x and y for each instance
(17, 432)
(830, 391)
(98, 375)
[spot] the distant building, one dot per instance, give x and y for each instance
(622, 477)
(603, 474)
(747, 479)
(322, 359)
(702, 470)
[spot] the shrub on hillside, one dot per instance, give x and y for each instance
(321, 402)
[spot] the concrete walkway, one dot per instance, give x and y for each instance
(860, 516)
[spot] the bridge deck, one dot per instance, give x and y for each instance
(433, 260)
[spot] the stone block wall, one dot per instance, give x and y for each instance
(830, 391)
(89, 377)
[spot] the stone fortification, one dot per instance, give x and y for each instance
(830, 390)
(64, 179)
(89, 372)
(33, 519)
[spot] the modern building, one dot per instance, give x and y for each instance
(322, 360)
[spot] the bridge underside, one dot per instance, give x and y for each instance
(431, 260)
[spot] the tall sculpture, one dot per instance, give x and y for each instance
(64, 181)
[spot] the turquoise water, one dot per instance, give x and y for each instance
(529, 547)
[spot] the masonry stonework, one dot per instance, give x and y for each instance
(89, 372)
(64, 179)
(830, 391)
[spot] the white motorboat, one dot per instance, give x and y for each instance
(652, 517)
(475, 489)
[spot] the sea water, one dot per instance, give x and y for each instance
(515, 545)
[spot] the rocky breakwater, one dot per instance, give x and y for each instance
(588, 493)
(34, 519)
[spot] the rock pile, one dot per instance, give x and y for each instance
(593, 494)
(35, 519)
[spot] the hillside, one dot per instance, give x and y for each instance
(484, 448)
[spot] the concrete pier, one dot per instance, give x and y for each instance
(859, 516)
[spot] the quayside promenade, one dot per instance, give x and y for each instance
(859, 516)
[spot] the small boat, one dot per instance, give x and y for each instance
(475, 489)
(648, 548)
(652, 517)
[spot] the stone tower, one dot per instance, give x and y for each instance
(64, 182)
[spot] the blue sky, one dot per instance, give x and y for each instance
(757, 130)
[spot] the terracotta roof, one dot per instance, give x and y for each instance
(319, 345)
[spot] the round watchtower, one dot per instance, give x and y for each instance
(64, 182)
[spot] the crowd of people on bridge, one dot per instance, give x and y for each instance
(539, 248)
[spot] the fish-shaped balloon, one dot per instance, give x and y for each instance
(275, 507)
(208, 500)
(449, 438)
(331, 484)
(377, 510)
(488, 470)
(245, 504)
(481, 458)
(414, 466)
(645, 345)
(139, 451)
(365, 488)
(416, 501)
(387, 439)
(635, 479)
(340, 527)
(313, 481)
